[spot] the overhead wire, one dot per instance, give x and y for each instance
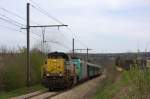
(15, 23)
(13, 29)
(12, 20)
(66, 38)
(47, 14)
(12, 13)
(9, 21)
(59, 43)
(54, 42)
(37, 7)
(18, 16)
(76, 38)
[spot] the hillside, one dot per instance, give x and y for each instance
(132, 84)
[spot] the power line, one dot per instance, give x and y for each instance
(12, 20)
(13, 29)
(71, 31)
(65, 36)
(54, 42)
(37, 7)
(14, 23)
(76, 38)
(51, 41)
(14, 14)
(9, 28)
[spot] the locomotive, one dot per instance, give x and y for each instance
(62, 71)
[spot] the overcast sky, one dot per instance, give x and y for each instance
(103, 25)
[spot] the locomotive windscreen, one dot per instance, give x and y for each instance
(58, 55)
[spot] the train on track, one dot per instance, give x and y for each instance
(63, 71)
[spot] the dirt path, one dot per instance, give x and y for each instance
(84, 91)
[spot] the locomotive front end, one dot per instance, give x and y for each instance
(54, 73)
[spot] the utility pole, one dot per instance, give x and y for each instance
(28, 45)
(43, 38)
(43, 34)
(87, 52)
(28, 41)
(73, 46)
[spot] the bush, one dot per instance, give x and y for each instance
(138, 79)
(131, 84)
(13, 73)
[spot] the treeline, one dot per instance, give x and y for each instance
(13, 68)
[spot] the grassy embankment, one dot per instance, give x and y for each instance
(13, 73)
(19, 91)
(133, 84)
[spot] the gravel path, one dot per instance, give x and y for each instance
(83, 91)
(26, 96)
(44, 96)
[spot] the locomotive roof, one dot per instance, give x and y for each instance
(94, 65)
(91, 64)
(58, 54)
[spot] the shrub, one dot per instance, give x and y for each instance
(13, 73)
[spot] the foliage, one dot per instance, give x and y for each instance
(17, 92)
(134, 84)
(13, 69)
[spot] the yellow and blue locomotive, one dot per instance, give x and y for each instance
(58, 71)
(62, 71)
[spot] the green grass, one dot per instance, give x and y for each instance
(132, 85)
(20, 91)
(108, 90)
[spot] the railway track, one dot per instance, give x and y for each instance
(44, 94)
(49, 95)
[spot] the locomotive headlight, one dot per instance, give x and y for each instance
(60, 74)
(47, 75)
